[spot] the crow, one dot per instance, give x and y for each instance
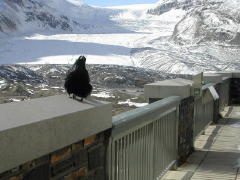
(77, 81)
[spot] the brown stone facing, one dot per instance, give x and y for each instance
(83, 160)
(61, 154)
(16, 178)
(82, 172)
(90, 140)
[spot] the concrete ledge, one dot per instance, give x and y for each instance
(226, 74)
(174, 87)
(212, 78)
(236, 74)
(31, 129)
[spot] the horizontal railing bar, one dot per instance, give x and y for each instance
(144, 115)
(206, 86)
(121, 131)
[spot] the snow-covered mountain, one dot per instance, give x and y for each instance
(173, 36)
(36, 15)
(167, 5)
(219, 24)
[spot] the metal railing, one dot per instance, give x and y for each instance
(143, 143)
(203, 111)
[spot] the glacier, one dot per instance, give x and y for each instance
(171, 36)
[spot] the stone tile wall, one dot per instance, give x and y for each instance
(185, 129)
(235, 91)
(84, 160)
(217, 109)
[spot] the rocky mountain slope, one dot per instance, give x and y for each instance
(37, 15)
(215, 22)
(205, 38)
(123, 86)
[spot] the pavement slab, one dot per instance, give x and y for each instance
(217, 151)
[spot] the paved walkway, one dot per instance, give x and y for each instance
(217, 155)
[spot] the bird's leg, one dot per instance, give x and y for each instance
(81, 99)
(74, 97)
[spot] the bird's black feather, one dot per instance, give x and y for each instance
(77, 81)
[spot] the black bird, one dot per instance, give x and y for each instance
(77, 81)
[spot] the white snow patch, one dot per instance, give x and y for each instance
(15, 100)
(53, 70)
(35, 68)
(43, 86)
(128, 101)
(2, 83)
(56, 87)
(102, 95)
(30, 91)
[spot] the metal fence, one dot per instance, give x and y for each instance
(143, 143)
(203, 112)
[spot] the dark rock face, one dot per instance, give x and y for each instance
(35, 12)
(8, 23)
(49, 20)
(165, 7)
(108, 76)
(18, 2)
(19, 73)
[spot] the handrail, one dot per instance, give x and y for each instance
(203, 110)
(143, 143)
(137, 117)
